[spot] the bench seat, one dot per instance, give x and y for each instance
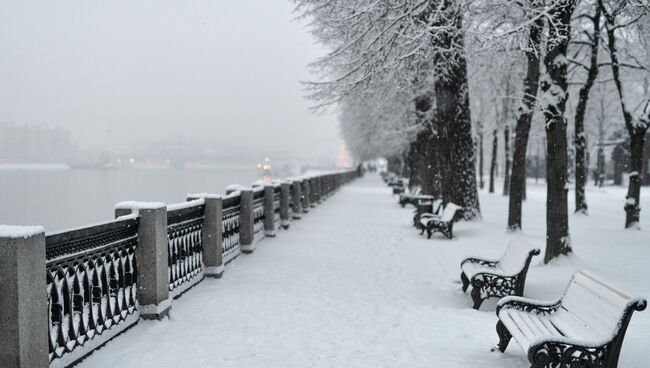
(585, 328)
(442, 223)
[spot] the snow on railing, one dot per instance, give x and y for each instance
(91, 287)
(230, 224)
(185, 245)
(258, 213)
(101, 279)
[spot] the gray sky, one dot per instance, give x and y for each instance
(224, 71)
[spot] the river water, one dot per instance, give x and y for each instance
(64, 198)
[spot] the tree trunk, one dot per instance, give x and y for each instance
(480, 155)
(506, 174)
(554, 88)
(458, 159)
(581, 108)
(427, 144)
(493, 164)
(522, 129)
(636, 129)
(632, 204)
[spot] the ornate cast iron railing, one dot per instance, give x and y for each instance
(230, 222)
(185, 242)
(91, 287)
(258, 213)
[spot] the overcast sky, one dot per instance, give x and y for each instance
(224, 71)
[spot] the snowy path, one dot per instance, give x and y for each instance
(349, 285)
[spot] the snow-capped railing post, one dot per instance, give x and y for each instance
(246, 230)
(296, 193)
(212, 234)
(313, 192)
(285, 219)
(23, 309)
(306, 195)
(269, 210)
(152, 255)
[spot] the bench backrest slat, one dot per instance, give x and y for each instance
(598, 305)
(515, 256)
(436, 205)
(449, 212)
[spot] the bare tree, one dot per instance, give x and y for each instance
(590, 41)
(628, 20)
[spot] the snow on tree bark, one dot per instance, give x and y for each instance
(458, 159)
(579, 131)
(553, 100)
(524, 117)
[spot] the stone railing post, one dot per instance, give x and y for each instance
(212, 234)
(306, 195)
(285, 220)
(246, 231)
(296, 198)
(152, 255)
(269, 210)
(23, 297)
(313, 191)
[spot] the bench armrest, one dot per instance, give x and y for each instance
(480, 261)
(528, 305)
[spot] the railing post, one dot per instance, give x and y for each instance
(285, 220)
(212, 234)
(246, 230)
(296, 194)
(313, 191)
(152, 257)
(306, 195)
(269, 210)
(23, 297)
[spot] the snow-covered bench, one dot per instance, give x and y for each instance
(585, 328)
(427, 207)
(498, 278)
(412, 198)
(443, 223)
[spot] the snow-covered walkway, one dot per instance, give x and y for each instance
(353, 285)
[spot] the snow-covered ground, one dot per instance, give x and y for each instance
(353, 285)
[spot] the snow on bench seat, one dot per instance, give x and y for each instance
(498, 278)
(442, 223)
(586, 326)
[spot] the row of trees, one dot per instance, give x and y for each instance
(414, 79)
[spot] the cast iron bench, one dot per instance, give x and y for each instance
(426, 207)
(498, 278)
(443, 223)
(585, 328)
(411, 198)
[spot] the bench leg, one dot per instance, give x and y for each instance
(448, 231)
(504, 336)
(476, 298)
(429, 232)
(465, 281)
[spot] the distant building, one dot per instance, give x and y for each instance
(34, 144)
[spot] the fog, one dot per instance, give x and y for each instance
(120, 75)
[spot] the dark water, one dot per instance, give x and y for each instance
(59, 199)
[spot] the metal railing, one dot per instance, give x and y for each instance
(91, 287)
(230, 224)
(258, 213)
(92, 275)
(185, 245)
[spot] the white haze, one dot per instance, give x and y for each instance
(225, 73)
